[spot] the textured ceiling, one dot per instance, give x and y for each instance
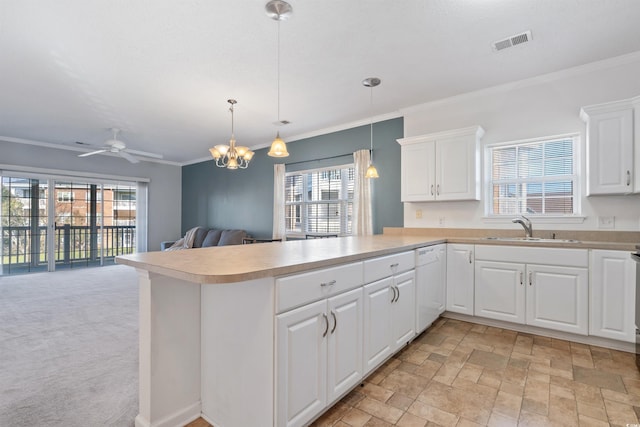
(162, 70)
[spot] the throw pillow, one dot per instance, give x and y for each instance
(232, 237)
(212, 239)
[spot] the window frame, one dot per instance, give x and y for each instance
(305, 202)
(575, 217)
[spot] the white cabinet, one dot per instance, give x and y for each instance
(545, 287)
(500, 290)
(460, 273)
(612, 295)
(319, 343)
(610, 168)
(301, 364)
(389, 306)
(441, 166)
(431, 281)
(557, 298)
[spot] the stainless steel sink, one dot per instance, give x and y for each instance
(531, 239)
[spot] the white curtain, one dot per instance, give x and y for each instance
(362, 217)
(278, 202)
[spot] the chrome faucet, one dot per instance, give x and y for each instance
(526, 224)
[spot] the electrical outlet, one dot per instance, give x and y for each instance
(419, 214)
(606, 222)
(441, 221)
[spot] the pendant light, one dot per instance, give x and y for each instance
(371, 82)
(231, 156)
(278, 10)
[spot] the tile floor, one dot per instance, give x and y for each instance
(462, 374)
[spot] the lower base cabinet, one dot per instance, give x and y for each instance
(319, 356)
(389, 317)
(547, 296)
(612, 297)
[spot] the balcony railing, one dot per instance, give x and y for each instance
(24, 246)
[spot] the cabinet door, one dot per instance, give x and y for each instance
(612, 295)
(377, 323)
(610, 153)
(403, 310)
(301, 364)
(418, 171)
(456, 169)
(557, 298)
(431, 287)
(500, 291)
(460, 278)
(345, 343)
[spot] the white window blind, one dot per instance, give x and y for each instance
(319, 201)
(534, 178)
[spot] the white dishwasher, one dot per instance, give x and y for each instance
(431, 270)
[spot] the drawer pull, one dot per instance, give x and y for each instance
(326, 322)
(394, 265)
(398, 297)
(470, 257)
(393, 299)
(331, 283)
(335, 321)
(530, 278)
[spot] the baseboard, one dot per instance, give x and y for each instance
(177, 419)
(567, 336)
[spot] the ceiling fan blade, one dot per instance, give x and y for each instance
(128, 156)
(91, 153)
(145, 154)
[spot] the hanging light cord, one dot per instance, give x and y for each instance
(278, 70)
(371, 121)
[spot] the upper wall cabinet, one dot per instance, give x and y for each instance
(441, 166)
(610, 142)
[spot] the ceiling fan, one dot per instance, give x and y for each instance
(116, 146)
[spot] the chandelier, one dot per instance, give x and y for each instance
(231, 156)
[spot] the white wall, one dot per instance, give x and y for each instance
(542, 106)
(165, 186)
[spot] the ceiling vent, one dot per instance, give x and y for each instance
(512, 41)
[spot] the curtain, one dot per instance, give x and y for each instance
(362, 217)
(142, 204)
(278, 202)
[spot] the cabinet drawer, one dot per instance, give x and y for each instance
(381, 267)
(293, 291)
(528, 255)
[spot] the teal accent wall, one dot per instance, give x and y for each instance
(222, 198)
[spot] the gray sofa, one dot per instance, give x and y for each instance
(205, 237)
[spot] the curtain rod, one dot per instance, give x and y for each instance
(323, 158)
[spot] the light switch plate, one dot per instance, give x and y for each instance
(419, 214)
(606, 222)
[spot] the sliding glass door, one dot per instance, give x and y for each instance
(48, 224)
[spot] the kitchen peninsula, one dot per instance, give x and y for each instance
(287, 328)
(208, 322)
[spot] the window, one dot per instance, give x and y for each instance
(534, 177)
(319, 201)
(65, 196)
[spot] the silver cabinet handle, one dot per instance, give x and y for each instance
(331, 283)
(521, 279)
(628, 178)
(335, 322)
(394, 265)
(470, 256)
(393, 299)
(530, 278)
(438, 190)
(398, 297)
(432, 189)
(326, 322)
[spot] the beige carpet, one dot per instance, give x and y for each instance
(69, 348)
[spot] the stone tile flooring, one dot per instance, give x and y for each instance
(462, 374)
